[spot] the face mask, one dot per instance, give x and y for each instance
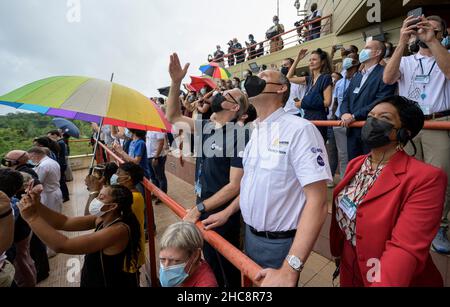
(285, 70)
(114, 179)
(414, 47)
(172, 276)
(216, 105)
(95, 208)
(375, 133)
(423, 45)
(31, 163)
(254, 86)
(347, 64)
(365, 55)
(445, 41)
(203, 92)
(128, 134)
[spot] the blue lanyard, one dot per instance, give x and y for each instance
(431, 70)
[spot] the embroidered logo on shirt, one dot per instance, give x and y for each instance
(320, 161)
(316, 150)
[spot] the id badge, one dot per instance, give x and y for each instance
(356, 91)
(425, 109)
(348, 207)
(422, 79)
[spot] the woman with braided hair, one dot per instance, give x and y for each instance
(111, 251)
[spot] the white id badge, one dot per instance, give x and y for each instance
(348, 207)
(425, 109)
(422, 79)
(356, 91)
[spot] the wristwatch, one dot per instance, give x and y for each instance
(201, 207)
(295, 263)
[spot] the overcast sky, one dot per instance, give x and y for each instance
(132, 38)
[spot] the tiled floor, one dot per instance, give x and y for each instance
(317, 272)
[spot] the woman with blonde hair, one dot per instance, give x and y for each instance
(181, 263)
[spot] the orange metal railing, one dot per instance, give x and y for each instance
(302, 35)
(248, 268)
(429, 125)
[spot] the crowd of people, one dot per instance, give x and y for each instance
(261, 161)
(308, 29)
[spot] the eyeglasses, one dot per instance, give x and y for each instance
(232, 98)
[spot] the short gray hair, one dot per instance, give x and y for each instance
(182, 235)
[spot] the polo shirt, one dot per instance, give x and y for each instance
(285, 154)
(431, 97)
(218, 150)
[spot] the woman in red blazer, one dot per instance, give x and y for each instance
(388, 207)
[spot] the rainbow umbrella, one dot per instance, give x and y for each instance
(90, 100)
(214, 70)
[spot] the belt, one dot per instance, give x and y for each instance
(274, 235)
(437, 115)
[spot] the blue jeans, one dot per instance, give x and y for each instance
(158, 173)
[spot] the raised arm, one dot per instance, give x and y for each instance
(87, 244)
(173, 111)
(291, 74)
(392, 69)
(440, 53)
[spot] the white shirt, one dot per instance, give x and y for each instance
(285, 154)
(316, 14)
(366, 75)
(152, 141)
(436, 99)
(49, 175)
(297, 91)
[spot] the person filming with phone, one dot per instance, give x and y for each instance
(425, 78)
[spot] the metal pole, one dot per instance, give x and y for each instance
(278, 9)
(97, 139)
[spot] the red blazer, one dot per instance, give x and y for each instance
(396, 222)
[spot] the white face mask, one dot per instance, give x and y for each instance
(95, 208)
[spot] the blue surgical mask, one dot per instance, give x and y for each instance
(128, 134)
(347, 64)
(446, 41)
(114, 179)
(31, 163)
(365, 55)
(172, 276)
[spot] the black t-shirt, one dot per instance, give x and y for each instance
(219, 151)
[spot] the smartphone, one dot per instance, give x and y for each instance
(339, 46)
(418, 12)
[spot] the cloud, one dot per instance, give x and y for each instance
(132, 38)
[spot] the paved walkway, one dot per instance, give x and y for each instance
(317, 272)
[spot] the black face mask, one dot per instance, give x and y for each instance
(285, 70)
(375, 133)
(254, 86)
(216, 105)
(414, 47)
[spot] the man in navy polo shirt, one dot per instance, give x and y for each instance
(219, 164)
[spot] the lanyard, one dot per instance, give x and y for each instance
(431, 70)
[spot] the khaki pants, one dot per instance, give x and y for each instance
(433, 147)
(6, 275)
